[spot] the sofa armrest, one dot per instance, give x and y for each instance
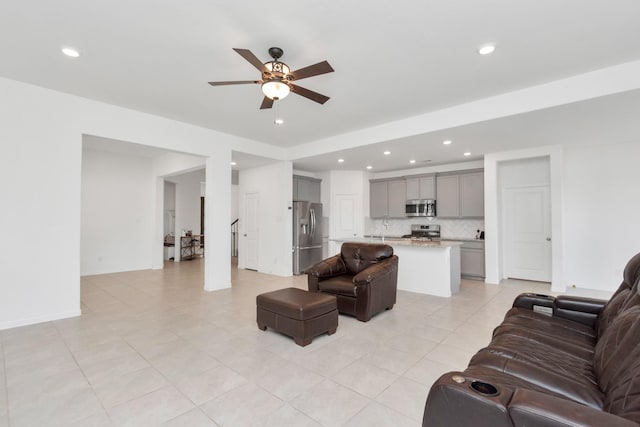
(528, 407)
(453, 402)
(578, 309)
(376, 270)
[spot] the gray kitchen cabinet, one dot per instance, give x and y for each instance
(378, 199)
(460, 195)
(306, 189)
(387, 198)
(413, 188)
(397, 198)
(448, 196)
(472, 195)
(423, 187)
(472, 259)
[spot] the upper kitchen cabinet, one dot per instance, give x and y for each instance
(423, 187)
(448, 196)
(472, 195)
(387, 198)
(306, 189)
(460, 195)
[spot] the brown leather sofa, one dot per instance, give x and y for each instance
(363, 277)
(577, 366)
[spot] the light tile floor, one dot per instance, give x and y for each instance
(153, 348)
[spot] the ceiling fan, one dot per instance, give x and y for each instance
(277, 77)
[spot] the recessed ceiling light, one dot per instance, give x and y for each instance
(278, 122)
(340, 160)
(486, 49)
(233, 163)
(467, 153)
(447, 142)
(70, 52)
(386, 153)
(412, 161)
(369, 167)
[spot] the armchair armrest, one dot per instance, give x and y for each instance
(374, 271)
(333, 266)
(330, 267)
(528, 407)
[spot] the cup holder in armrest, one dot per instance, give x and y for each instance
(484, 389)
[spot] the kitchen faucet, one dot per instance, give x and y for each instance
(385, 225)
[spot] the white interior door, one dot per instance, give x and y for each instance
(528, 233)
(251, 230)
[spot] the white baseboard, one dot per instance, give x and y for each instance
(40, 319)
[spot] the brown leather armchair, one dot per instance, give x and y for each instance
(363, 277)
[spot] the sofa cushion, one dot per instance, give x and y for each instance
(357, 257)
(549, 332)
(615, 347)
(622, 397)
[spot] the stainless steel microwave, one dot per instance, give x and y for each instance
(420, 207)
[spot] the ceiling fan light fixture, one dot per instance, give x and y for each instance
(275, 89)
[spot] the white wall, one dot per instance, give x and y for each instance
(40, 169)
(595, 225)
(274, 184)
(40, 174)
(116, 206)
(602, 213)
(494, 245)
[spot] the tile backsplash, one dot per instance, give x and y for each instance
(458, 228)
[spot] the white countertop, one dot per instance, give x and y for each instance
(396, 241)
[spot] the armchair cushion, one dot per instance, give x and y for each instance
(340, 285)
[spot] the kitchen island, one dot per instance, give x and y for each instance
(425, 267)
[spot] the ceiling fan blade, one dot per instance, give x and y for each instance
(238, 82)
(312, 70)
(253, 60)
(314, 96)
(266, 103)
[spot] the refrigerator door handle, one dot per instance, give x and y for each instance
(312, 214)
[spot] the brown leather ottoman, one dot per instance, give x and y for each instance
(300, 314)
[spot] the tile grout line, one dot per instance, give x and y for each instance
(83, 373)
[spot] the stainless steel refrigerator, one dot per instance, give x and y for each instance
(307, 235)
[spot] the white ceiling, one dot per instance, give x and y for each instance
(392, 60)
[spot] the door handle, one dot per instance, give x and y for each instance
(244, 235)
(548, 239)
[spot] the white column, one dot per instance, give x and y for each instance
(157, 251)
(217, 210)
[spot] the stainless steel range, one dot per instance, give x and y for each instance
(424, 232)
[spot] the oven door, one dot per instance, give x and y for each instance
(415, 209)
